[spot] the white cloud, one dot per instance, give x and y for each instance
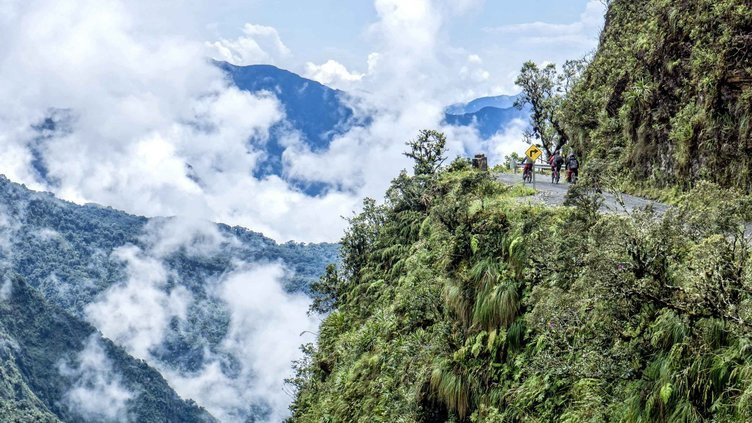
(258, 44)
(136, 313)
(333, 74)
(96, 392)
(6, 289)
(264, 335)
(264, 330)
(198, 238)
(578, 34)
(510, 140)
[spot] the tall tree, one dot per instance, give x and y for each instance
(544, 90)
(428, 151)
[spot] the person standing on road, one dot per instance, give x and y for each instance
(573, 168)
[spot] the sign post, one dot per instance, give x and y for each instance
(533, 153)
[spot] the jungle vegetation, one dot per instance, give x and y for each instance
(459, 301)
(666, 101)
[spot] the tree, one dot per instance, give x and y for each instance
(544, 90)
(428, 151)
(327, 291)
(512, 159)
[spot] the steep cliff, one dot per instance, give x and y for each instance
(667, 99)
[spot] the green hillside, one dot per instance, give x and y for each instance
(44, 369)
(68, 254)
(667, 99)
(459, 301)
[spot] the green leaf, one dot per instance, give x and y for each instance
(474, 244)
(666, 392)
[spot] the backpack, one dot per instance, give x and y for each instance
(558, 161)
(573, 163)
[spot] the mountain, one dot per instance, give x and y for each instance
(58, 368)
(498, 102)
(665, 102)
(488, 120)
(319, 113)
(162, 288)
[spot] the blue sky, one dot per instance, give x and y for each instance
(324, 27)
(501, 33)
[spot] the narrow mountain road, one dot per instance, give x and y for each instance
(554, 195)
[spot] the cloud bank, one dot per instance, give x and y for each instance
(97, 108)
(100, 104)
(240, 376)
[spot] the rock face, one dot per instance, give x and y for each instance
(667, 99)
(480, 162)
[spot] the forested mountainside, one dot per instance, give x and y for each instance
(457, 300)
(56, 367)
(57, 244)
(152, 285)
(667, 99)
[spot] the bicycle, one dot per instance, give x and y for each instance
(572, 176)
(555, 176)
(527, 176)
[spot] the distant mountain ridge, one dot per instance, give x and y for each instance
(498, 102)
(489, 120)
(317, 112)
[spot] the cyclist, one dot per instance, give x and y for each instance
(573, 168)
(556, 161)
(527, 169)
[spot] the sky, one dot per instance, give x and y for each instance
(145, 123)
(503, 34)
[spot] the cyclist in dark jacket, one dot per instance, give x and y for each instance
(556, 161)
(573, 167)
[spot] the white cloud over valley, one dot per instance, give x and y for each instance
(266, 323)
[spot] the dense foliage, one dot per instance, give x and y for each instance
(543, 91)
(457, 300)
(667, 99)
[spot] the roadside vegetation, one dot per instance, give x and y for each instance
(457, 302)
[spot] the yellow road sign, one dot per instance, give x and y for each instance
(533, 153)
